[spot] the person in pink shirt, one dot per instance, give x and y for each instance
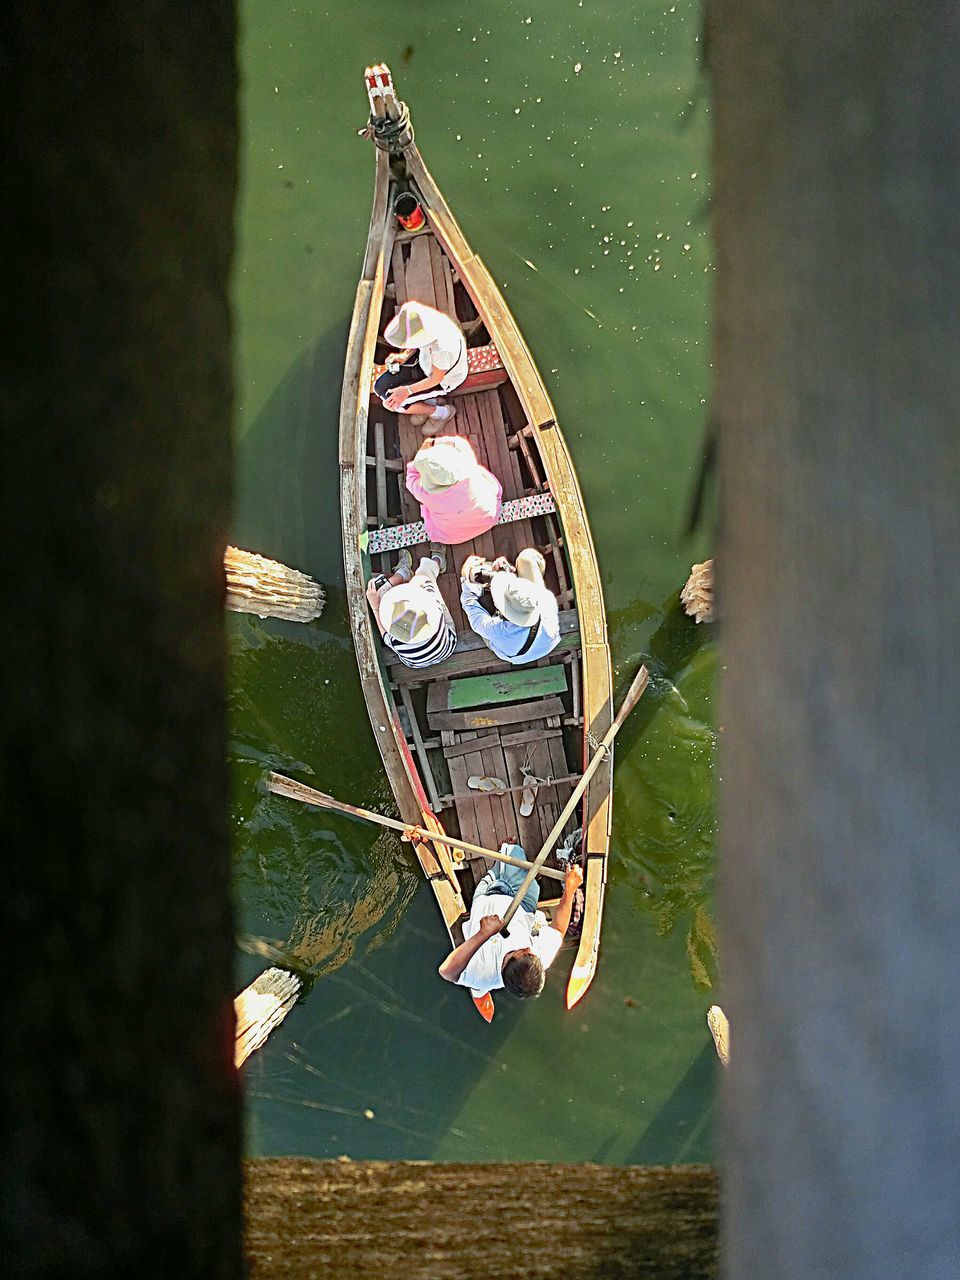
(459, 498)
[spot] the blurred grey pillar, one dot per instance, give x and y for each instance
(119, 1112)
(837, 189)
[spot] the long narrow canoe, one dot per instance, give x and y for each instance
(472, 715)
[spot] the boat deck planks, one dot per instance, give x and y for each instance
(420, 282)
(487, 717)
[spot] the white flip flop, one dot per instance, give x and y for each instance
(477, 783)
(528, 799)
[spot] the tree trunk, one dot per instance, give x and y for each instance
(270, 590)
(837, 184)
(120, 1110)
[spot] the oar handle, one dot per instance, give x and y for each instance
(293, 790)
(632, 697)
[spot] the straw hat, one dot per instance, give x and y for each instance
(410, 327)
(409, 613)
(440, 467)
(516, 599)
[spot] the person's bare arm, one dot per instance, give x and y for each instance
(571, 883)
(373, 599)
(396, 398)
(458, 959)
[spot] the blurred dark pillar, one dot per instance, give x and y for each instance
(837, 185)
(120, 1121)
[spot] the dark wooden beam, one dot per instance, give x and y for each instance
(836, 188)
(119, 1111)
(341, 1220)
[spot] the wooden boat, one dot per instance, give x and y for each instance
(473, 714)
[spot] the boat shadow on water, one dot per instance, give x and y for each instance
(287, 483)
(665, 840)
(673, 1134)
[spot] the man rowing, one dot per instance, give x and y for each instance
(485, 960)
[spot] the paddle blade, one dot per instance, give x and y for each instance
(484, 1006)
(633, 695)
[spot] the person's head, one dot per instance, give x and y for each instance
(409, 327)
(515, 599)
(523, 974)
(440, 466)
(409, 613)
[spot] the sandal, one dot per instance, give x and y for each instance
(477, 783)
(528, 799)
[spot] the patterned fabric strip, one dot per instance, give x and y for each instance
(408, 535)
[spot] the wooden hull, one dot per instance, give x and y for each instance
(428, 750)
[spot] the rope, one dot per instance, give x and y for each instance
(386, 132)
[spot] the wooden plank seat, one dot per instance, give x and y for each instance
(484, 370)
(513, 685)
(492, 717)
(471, 649)
(393, 537)
(468, 662)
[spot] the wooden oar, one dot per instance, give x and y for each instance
(633, 695)
(281, 786)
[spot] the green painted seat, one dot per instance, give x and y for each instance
(520, 685)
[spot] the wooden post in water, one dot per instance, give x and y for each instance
(697, 596)
(261, 1007)
(269, 589)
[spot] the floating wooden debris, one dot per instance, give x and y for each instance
(720, 1030)
(697, 596)
(261, 1007)
(269, 589)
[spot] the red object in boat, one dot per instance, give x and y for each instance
(409, 211)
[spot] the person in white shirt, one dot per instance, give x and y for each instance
(486, 961)
(523, 622)
(412, 385)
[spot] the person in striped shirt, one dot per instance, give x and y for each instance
(410, 613)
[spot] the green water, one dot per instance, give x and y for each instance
(571, 141)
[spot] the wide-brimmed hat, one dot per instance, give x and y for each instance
(515, 599)
(409, 613)
(440, 466)
(410, 327)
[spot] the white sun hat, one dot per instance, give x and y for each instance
(516, 599)
(440, 466)
(409, 613)
(411, 326)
